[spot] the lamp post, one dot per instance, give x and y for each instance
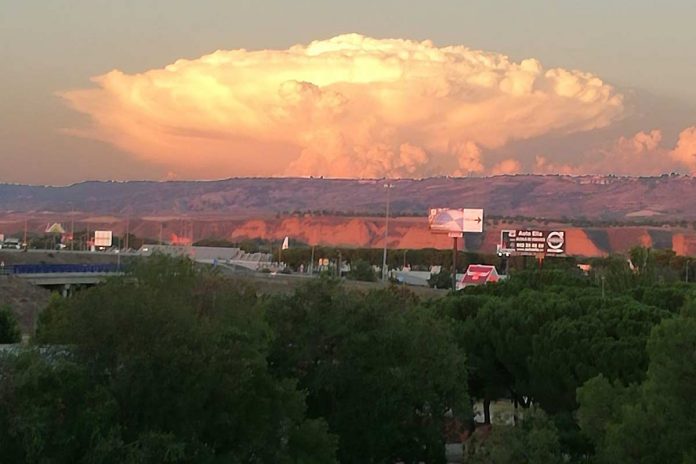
(72, 227)
(127, 244)
(388, 186)
(688, 262)
(505, 258)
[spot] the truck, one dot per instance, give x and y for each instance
(10, 243)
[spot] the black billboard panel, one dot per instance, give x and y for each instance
(533, 242)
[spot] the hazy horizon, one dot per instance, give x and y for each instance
(354, 179)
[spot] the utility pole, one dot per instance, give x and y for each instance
(388, 187)
(72, 227)
(339, 264)
(311, 263)
(127, 231)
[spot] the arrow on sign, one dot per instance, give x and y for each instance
(478, 219)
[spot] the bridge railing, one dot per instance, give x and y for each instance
(62, 268)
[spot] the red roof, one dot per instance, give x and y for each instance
(477, 274)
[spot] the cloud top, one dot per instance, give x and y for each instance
(350, 106)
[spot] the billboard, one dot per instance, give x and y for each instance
(533, 242)
(102, 238)
(447, 220)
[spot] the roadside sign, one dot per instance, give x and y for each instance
(103, 238)
(533, 242)
(448, 220)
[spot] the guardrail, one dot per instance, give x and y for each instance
(61, 268)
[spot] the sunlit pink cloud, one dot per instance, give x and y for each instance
(685, 151)
(644, 153)
(508, 166)
(350, 106)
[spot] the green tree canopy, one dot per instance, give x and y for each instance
(178, 358)
(362, 270)
(655, 425)
(533, 440)
(9, 328)
(382, 371)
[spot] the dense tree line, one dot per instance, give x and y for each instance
(173, 363)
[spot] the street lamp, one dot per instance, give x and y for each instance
(505, 257)
(388, 186)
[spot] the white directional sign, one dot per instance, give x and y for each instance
(473, 220)
(103, 238)
(446, 220)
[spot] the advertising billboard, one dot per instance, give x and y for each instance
(102, 238)
(448, 220)
(533, 242)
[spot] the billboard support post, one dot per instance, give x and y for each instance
(454, 223)
(454, 264)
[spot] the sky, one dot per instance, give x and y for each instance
(96, 89)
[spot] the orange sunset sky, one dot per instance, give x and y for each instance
(165, 90)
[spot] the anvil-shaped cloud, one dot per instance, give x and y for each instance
(350, 106)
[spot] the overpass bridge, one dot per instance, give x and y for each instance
(63, 277)
(72, 269)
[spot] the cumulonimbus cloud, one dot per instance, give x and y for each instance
(350, 106)
(645, 153)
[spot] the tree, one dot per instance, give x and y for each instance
(533, 440)
(442, 279)
(9, 329)
(656, 424)
(488, 380)
(49, 408)
(180, 357)
(538, 345)
(601, 402)
(382, 371)
(597, 336)
(362, 270)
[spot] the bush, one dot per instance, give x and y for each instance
(9, 329)
(442, 279)
(362, 270)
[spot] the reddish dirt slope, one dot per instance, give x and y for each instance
(404, 232)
